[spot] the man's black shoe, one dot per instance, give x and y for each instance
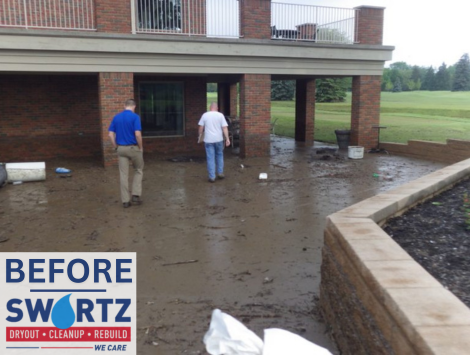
(126, 204)
(136, 200)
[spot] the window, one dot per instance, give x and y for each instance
(162, 108)
(159, 14)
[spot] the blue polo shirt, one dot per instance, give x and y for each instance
(125, 124)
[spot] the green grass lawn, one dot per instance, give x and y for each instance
(424, 115)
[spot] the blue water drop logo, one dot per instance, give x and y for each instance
(63, 315)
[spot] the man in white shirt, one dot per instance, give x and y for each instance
(214, 126)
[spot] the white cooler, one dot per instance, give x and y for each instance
(25, 171)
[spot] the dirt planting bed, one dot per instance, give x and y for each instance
(436, 235)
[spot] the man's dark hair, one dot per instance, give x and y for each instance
(130, 102)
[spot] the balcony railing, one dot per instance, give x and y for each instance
(50, 14)
(211, 18)
(313, 23)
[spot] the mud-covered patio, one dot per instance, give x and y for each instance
(247, 246)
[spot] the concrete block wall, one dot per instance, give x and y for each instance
(375, 298)
(452, 151)
(48, 116)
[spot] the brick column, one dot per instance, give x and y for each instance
(255, 115)
(365, 110)
(114, 89)
(369, 24)
(113, 16)
(234, 99)
(223, 98)
(255, 19)
(304, 110)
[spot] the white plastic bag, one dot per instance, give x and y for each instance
(282, 342)
(228, 336)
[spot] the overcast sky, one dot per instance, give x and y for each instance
(424, 32)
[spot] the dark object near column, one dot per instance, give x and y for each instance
(342, 137)
(378, 149)
(3, 175)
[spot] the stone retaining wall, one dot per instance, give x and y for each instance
(374, 296)
(451, 152)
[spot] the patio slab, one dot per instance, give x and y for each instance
(241, 230)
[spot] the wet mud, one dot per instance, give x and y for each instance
(251, 248)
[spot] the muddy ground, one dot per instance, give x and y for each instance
(257, 244)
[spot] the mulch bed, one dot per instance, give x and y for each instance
(436, 236)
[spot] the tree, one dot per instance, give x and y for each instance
(282, 90)
(462, 74)
(331, 90)
(401, 66)
(397, 85)
(416, 77)
(386, 82)
(211, 87)
(428, 82)
(442, 79)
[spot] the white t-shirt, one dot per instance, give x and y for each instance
(213, 122)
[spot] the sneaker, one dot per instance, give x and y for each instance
(221, 176)
(126, 204)
(136, 200)
(211, 180)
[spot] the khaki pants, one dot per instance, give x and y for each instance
(134, 154)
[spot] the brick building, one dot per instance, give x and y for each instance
(66, 67)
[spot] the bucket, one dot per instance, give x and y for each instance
(342, 137)
(355, 152)
(26, 171)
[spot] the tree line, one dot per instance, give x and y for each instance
(403, 77)
(400, 76)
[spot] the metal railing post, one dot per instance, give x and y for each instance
(25, 14)
(133, 17)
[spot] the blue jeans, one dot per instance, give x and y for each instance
(215, 157)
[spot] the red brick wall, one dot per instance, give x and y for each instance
(305, 111)
(369, 25)
(113, 16)
(255, 19)
(365, 110)
(234, 99)
(195, 104)
(56, 14)
(114, 89)
(194, 16)
(255, 115)
(48, 116)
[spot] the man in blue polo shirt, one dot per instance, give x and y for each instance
(125, 133)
